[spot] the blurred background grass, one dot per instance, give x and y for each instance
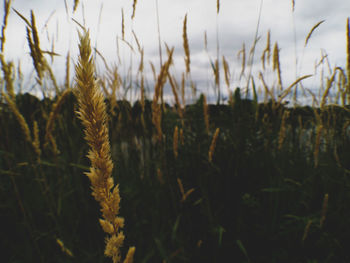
(252, 203)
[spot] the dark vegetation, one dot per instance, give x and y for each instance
(261, 198)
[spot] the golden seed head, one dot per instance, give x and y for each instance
(186, 46)
(92, 113)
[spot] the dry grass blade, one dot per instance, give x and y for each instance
(137, 41)
(287, 91)
(52, 117)
(76, 3)
(153, 68)
(36, 38)
(92, 113)
(79, 24)
(128, 44)
(130, 255)
(267, 90)
(174, 88)
(34, 46)
(311, 31)
(123, 25)
(51, 75)
(226, 71)
(64, 249)
(142, 83)
(205, 41)
(216, 70)
(133, 9)
(156, 108)
(328, 87)
(24, 19)
(243, 53)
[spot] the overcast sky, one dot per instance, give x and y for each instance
(236, 24)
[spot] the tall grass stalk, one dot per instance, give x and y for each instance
(92, 113)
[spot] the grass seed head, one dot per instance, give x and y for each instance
(186, 46)
(213, 145)
(92, 113)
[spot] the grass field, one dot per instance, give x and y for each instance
(89, 176)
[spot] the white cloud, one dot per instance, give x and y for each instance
(237, 23)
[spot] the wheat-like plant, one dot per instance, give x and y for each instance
(7, 69)
(92, 113)
(243, 53)
(7, 6)
(186, 46)
(123, 25)
(277, 65)
(156, 108)
(21, 120)
(174, 88)
(311, 31)
(266, 55)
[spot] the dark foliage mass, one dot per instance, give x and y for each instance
(261, 198)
